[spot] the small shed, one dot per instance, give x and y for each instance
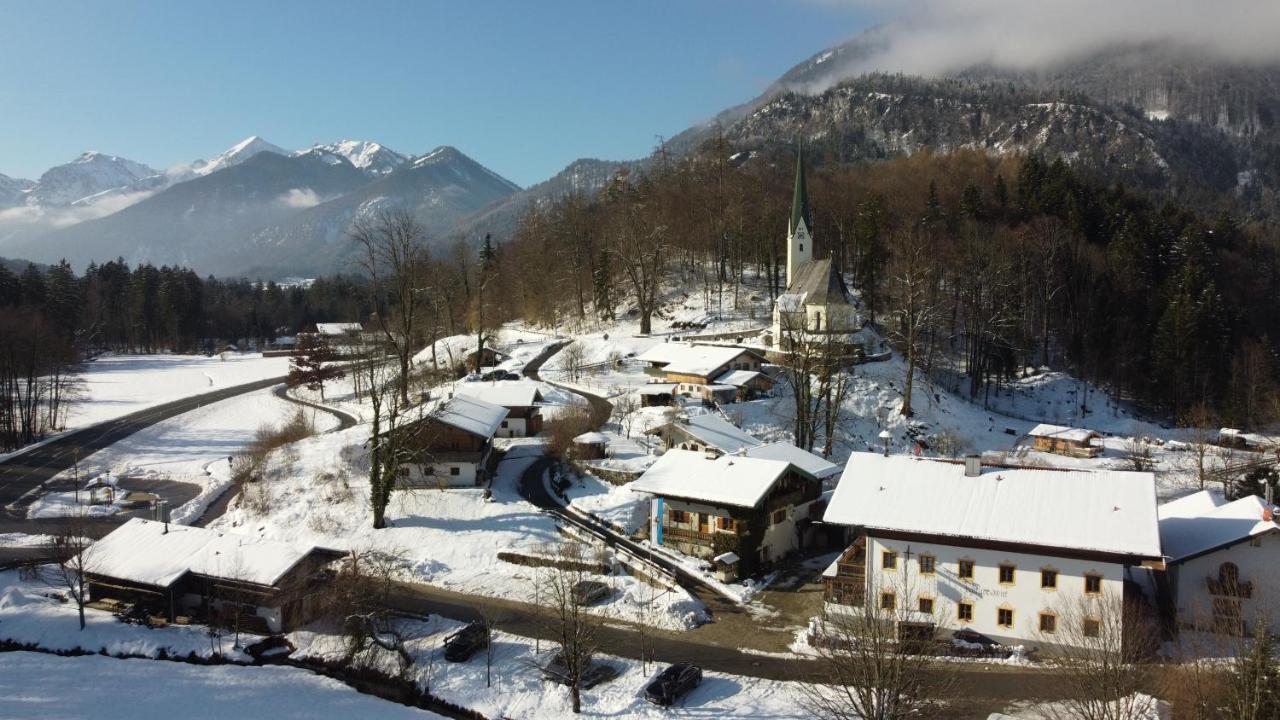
(726, 566)
(1232, 438)
(658, 394)
(590, 446)
(1062, 440)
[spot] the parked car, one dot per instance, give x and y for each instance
(464, 643)
(557, 671)
(673, 683)
(590, 592)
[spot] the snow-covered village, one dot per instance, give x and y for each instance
(918, 386)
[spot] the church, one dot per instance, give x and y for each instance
(817, 307)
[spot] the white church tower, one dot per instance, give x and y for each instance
(799, 236)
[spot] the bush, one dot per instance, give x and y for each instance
(569, 425)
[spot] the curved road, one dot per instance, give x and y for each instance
(22, 475)
(219, 506)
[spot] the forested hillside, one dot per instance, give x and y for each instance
(998, 262)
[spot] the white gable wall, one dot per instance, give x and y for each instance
(1256, 563)
(1025, 596)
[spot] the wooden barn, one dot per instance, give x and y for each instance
(1061, 440)
(182, 571)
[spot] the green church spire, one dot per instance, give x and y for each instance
(800, 199)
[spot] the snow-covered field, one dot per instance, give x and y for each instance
(116, 385)
(193, 447)
(37, 685)
(316, 492)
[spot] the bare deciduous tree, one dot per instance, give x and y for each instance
(875, 660)
(914, 287)
(360, 602)
(574, 627)
(1103, 646)
(394, 257)
(73, 549)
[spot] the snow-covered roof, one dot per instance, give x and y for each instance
(833, 569)
(1204, 521)
(657, 389)
(803, 459)
(471, 415)
(716, 432)
(1062, 432)
(727, 480)
(1104, 511)
(507, 393)
(791, 302)
(337, 329)
(686, 359)
(141, 551)
(738, 378)
(728, 558)
(592, 438)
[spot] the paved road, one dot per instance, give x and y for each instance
(345, 419)
(22, 476)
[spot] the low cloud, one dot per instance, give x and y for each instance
(930, 37)
(299, 198)
(26, 217)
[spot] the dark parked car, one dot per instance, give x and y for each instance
(597, 672)
(673, 683)
(464, 643)
(590, 592)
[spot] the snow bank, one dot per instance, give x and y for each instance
(57, 688)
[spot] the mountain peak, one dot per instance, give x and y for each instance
(237, 154)
(371, 157)
(444, 153)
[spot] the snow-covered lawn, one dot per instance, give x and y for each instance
(30, 614)
(37, 685)
(518, 691)
(116, 385)
(316, 492)
(193, 447)
(617, 505)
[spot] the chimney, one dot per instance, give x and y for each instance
(972, 465)
(885, 439)
(1270, 493)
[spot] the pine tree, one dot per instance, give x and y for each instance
(312, 364)
(1254, 685)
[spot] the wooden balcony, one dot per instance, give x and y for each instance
(677, 534)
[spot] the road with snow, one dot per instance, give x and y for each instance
(22, 475)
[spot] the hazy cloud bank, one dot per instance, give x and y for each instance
(931, 37)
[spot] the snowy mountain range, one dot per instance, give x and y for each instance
(255, 209)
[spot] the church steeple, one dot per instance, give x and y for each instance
(799, 226)
(799, 198)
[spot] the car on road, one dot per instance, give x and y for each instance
(464, 643)
(590, 592)
(673, 683)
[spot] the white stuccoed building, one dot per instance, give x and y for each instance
(1222, 562)
(1013, 554)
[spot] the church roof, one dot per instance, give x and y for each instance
(820, 284)
(800, 198)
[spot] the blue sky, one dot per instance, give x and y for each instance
(523, 87)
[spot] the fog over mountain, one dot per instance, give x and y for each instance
(938, 37)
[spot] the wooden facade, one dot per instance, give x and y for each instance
(760, 535)
(294, 600)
